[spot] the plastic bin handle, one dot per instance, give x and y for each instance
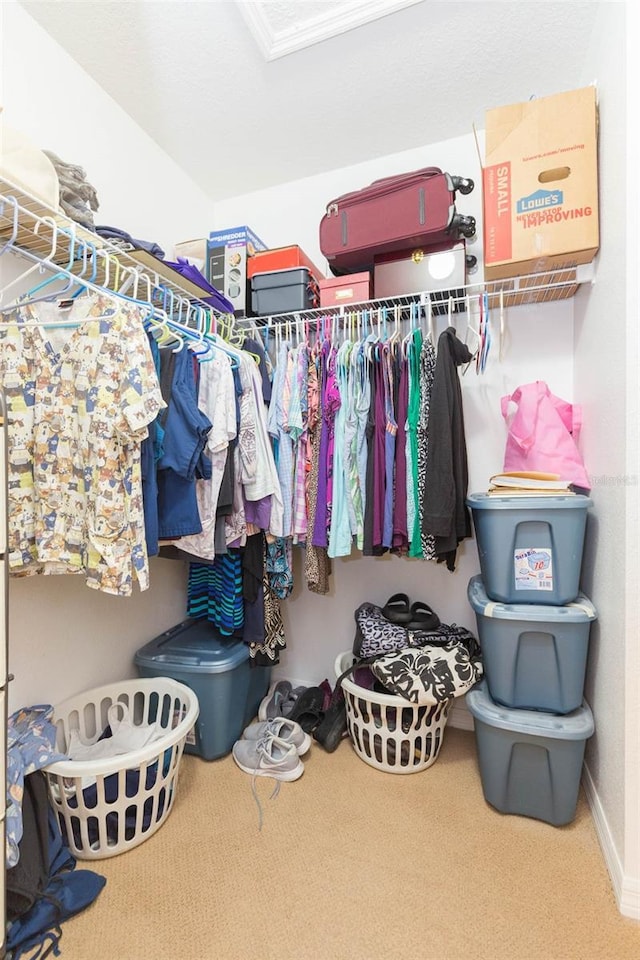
(177, 658)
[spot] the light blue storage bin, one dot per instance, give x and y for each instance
(534, 656)
(217, 669)
(530, 548)
(530, 763)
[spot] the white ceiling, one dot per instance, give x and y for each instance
(197, 75)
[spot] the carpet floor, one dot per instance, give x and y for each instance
(354, 864)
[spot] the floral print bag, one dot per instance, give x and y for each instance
(445, 667)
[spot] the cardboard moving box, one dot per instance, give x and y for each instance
(541, 184)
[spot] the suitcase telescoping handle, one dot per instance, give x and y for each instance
(386, 185)
(380, 188)
(399, 178)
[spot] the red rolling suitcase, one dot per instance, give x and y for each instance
(414, 209)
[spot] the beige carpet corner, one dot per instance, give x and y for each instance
(354, 864)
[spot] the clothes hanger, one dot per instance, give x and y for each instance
(504, 333)
(59, 273)
(10, 242)
(476, 334)
(486, 344)
(39, 266)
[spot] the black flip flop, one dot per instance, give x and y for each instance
(422, 617)
(397, 609)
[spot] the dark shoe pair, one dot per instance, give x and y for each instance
(333, 726)
(308, 710)
(412, 616)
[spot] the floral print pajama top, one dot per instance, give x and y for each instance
(79, 400)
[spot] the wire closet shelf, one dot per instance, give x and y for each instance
(39, 233)
(557, 284)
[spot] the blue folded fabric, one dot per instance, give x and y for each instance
(114, 233)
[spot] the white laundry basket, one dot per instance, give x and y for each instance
(110, 805)
(389, 732)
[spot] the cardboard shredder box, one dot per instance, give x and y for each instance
(227, 254)
(540, 184)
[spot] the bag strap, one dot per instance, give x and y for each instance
(522, 428)
(360, 662)
(504, 402)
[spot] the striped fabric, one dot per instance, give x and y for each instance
(214, 592)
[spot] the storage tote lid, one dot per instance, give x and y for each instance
(577, 725)
(193, 646)
(287, 277)
(577, 612)
(488, 501)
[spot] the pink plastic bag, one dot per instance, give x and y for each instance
(543, 434)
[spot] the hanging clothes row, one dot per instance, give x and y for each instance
(129, 429)
(212, 493)
(369, 444)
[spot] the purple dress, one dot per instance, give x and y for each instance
(379, 455)
(400, 531)
(319, 537)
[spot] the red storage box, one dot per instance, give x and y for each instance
(352, 288)
(281, 258)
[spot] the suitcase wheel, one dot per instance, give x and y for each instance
(463, 184)
(466, 226)
(471, 263)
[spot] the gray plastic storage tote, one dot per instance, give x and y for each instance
(530, 548)
(534, 656)
(228, 688)
(530, 763)
(282, 291)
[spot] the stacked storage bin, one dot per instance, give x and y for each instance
(217, 669)
(531, 721)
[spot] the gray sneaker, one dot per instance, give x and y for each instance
(287, 730)
(279, 700)
(268, 757)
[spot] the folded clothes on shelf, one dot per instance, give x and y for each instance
(121, 237)
(78, 197)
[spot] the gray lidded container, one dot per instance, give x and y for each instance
(281, 291)
(534, 656)
(217, 669)
(530, 763)
(530, 548)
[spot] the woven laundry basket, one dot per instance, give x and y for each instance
(110, 805)
(389, 732)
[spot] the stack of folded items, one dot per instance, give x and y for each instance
(530, 484)
(78, 198)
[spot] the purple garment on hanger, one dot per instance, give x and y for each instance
(379, 466)
(320, 531)
(330, 405)
(400, 531)
(258, 512)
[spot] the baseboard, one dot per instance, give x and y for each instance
(626, 889)
(459, 716)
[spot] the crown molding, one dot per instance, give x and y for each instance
(304, 33)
